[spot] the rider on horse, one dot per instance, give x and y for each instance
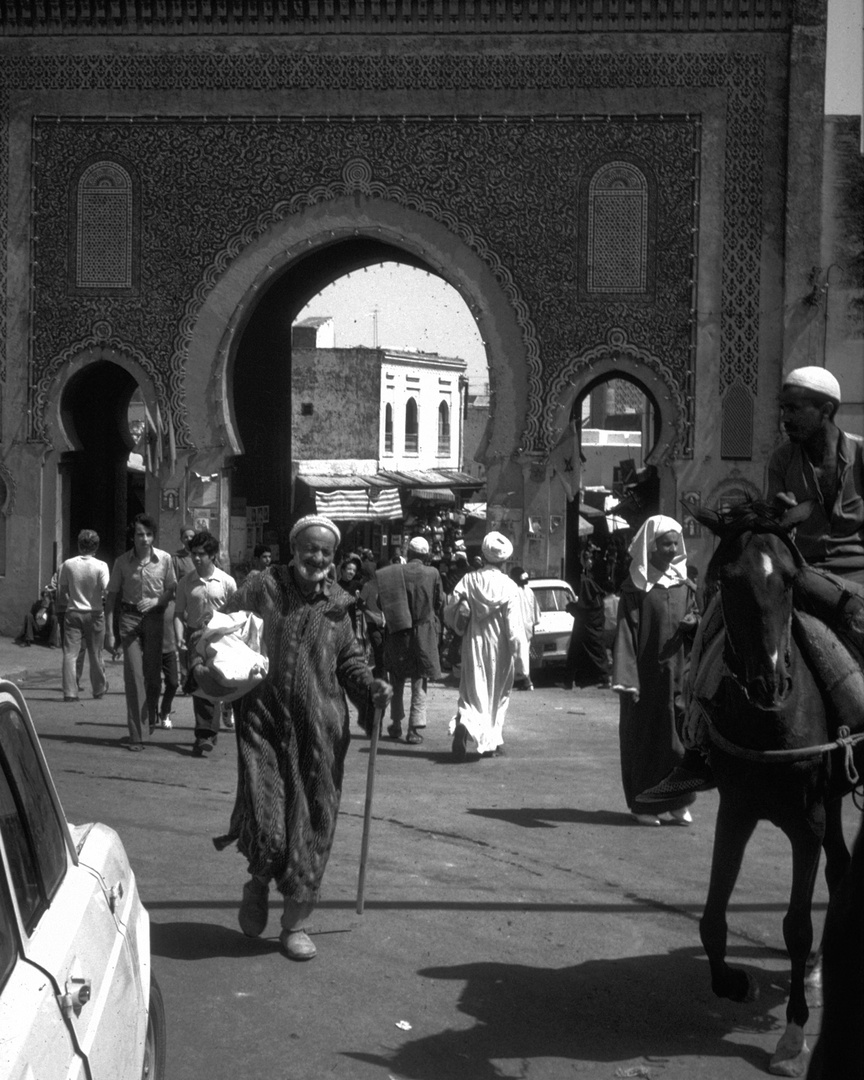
(823, 465)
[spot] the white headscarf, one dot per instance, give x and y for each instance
(642, 573)
(496, 547)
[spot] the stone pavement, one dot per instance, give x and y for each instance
(19, 663)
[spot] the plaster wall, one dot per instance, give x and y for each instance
(840, 318)
(343, 389)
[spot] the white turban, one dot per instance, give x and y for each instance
(815, 379)
(645, 576)
(496, 547)
(310, 521)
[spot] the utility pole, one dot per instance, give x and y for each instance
(375, 328)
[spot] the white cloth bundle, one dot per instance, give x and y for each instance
(230, 646)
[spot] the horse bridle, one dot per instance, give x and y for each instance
(735, 666)
(845, 740)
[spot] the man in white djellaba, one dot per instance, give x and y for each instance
(484, 609)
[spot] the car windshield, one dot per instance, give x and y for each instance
(552, 598)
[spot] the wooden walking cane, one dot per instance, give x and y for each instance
(367, 812)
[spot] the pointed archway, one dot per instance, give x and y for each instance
(89, 429)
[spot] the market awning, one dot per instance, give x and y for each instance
(359, 504)
(352, 497)
(436, 495)
(431, 478)
(585, 527)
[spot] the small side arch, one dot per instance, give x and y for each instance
(618, 357)
(60, 432)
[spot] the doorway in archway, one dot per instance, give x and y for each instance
(618, 422)
(265, 381)
(98, 489)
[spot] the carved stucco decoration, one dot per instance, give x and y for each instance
(509, 189)
(740, 75)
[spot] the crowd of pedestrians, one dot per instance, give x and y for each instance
(368, 633)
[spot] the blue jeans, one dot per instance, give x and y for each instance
(89, 627)
(141, 638)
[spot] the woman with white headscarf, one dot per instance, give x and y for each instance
(657, 616)
(483, 609)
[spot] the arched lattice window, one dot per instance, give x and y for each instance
(388, 429)
(617, 256)
(412, 433)
(104, 215)
(443, 430)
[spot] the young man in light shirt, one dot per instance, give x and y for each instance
(205, 590)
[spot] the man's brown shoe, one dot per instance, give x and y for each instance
(254, 908)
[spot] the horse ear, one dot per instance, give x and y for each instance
(709, 518)
(796, 514)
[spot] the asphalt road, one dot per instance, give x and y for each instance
(517, 923)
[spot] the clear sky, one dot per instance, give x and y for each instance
(419, 311)
(416, 310)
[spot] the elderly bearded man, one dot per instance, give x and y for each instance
(293, 731)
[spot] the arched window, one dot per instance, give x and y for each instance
(412, 434)
(443, 430)
(104, 217)
(617, 241)
(388, 429)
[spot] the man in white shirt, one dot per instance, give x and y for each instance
(205, 590)
(81, 587)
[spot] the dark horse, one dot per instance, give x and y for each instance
(769, 728)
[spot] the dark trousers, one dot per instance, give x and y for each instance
(204, 711)
(171, 676)
(141, 638)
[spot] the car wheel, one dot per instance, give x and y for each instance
(154, 1047)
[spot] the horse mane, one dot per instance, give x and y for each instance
(733, 522)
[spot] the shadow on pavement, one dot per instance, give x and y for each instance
(117, 744)
(437, 757)
(546, 817)
(647, 1008)
(204, 941)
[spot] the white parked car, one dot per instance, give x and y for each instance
(552, 637)
(78, 1000)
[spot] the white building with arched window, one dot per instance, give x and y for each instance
(421, 412)
(377, 435)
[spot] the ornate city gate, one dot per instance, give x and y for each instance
(603, 183)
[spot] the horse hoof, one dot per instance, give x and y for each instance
(738, 986)
(792, 1055)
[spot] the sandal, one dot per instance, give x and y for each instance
(413, 737)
